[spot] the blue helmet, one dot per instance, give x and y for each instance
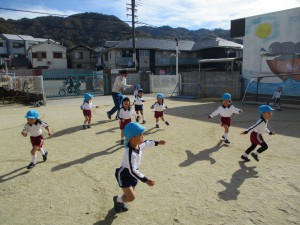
(137, 86)
(87, 96)
(131, 130)
(32, 114)
(140, 90)
(226, 96)
(160, 95)
(264, 108)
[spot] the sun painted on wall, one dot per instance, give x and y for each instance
(264, 30)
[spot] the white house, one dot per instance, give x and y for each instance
(49, 55)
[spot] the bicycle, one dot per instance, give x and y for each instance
(70, 90)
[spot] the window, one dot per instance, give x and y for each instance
(2, 44)
(19, 56)
(126, 53)
(57, 55)
(39, 55)
(78, 55)
(17, 45)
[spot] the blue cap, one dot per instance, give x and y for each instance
(87, 96)
(226, 96)
(137, 86)
(264, 108)
(32, 114)
(160, 95)
(131, 130)
(140, 90)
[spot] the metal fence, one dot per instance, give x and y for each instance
(163, 84)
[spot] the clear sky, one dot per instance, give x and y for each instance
(190, 14)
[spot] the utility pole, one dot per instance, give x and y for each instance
(133, 16)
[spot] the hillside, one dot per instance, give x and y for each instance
(93, 29)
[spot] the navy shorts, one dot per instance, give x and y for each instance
(138, 107)
(124, 178)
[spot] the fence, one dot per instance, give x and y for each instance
(163, 84)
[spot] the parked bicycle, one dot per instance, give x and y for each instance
(71, 89)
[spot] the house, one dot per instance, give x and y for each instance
(159, 55)
(271, 55)
(47, 55)
(82, 56)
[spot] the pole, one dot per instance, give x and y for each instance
(133, 34)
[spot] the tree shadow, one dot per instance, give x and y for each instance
(109, 218)
(238, 177)
(202, 155)
(75, 129)
(84, 159)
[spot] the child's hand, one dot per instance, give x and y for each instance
(240, 111)
(242, 133)
(151, 107)
(24, 133)
(209, 117)
(150, 182)
(162, 142)
(49, 133)
(272, 133)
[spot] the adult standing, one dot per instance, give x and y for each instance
(119, 85)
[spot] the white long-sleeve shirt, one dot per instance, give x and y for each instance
(138, 100)
(120, 83)
(35, 129)
(159, 107)
(225, 111)
(260, 127)
(126, 113)
(132, 159)
(277, 94)
(87, 106)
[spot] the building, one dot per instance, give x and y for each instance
(82, 56)
(271, 56)
(47, 55)
(159, 55)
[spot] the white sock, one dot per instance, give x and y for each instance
(34, 157)
(119, 199)
(245, 154)
(256, 153)
(42, 151)
(225, 135)
(143, 117)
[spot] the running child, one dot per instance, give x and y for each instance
(226, 110)
(128, 174)
(125, 114)
(34, 128)
(276, 98)
(159, 107)
(136, 88)
(86, 108)
(258, 130)
(138, 104)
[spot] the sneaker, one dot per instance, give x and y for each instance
(122, 142)
(108, 115)
(119, 207)
(144, 121)
(84, 127)
(255, 156)
(88, 126)
(167, 123)
(157, 126)
(245, 158)
(31, 165)
(227, 141)
(45, 156)
(223, 137)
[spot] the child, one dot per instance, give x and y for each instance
(159, 106)
(125, 114)
(34, 127)
(128, 174)
(86, 108)
(138, 104)
(136, 89)
(258, 130)
(276, 98)
(225, 111)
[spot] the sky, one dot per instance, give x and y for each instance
(190, 14)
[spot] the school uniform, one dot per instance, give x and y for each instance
(36, 132)
(159, 109)
(125, 115)
(128, 174)
(258, 129)
(87, 108)
(225, 113)
(138, 103)
(276, 97)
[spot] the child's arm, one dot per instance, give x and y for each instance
(216, 112)
(237, 111)
(25, 131)
(49, 131)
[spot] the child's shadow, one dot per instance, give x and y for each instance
(202, 155)
(238, 177)
(151, 129)
(84, 159)
(108, 220)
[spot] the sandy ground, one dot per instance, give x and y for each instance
(199, 180)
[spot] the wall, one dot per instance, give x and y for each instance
(271, 48)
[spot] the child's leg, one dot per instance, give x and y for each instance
(128, 195)
(226, 130)
(33, 154)
(163, 119)
(263, 148)
(86, 119)
(89, 120)
(122, 134)
(142, 114)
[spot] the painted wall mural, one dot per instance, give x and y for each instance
(272, 51)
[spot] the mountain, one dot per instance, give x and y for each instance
(93, 29)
